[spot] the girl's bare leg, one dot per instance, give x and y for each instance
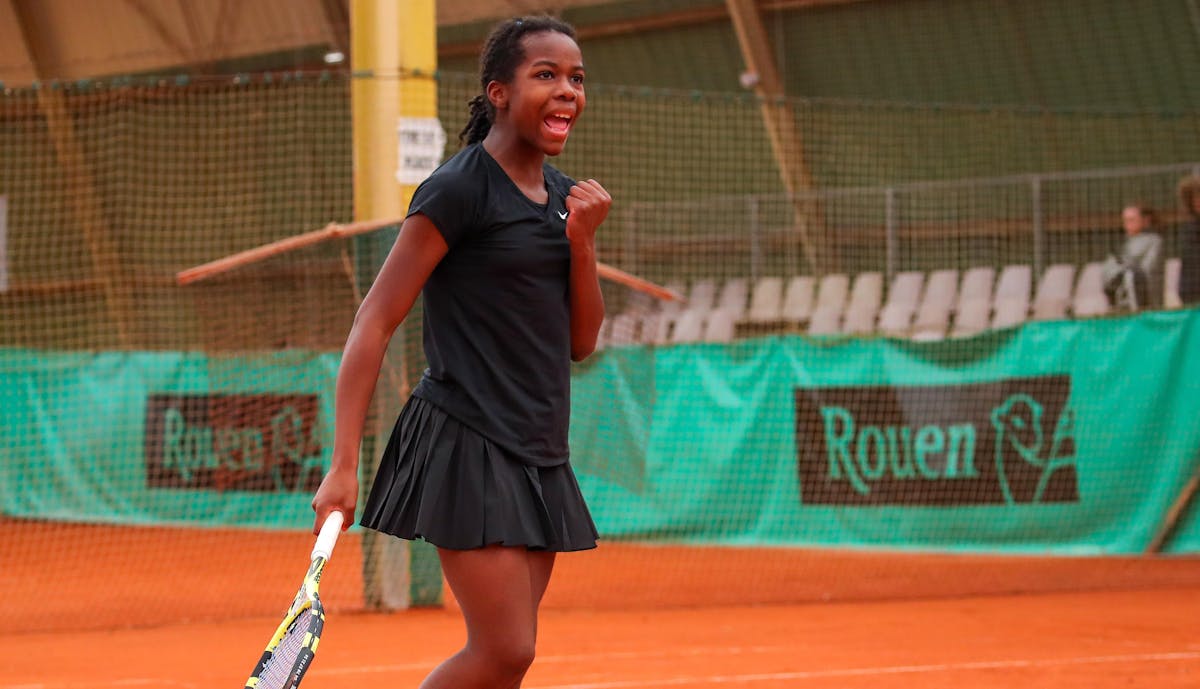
(499, 589)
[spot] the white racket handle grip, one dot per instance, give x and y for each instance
(330, 530)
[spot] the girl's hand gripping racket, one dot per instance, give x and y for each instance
(290, 652)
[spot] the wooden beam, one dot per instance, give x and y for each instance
(160, 29)
(805, 4)
(779, 119)
(620, 27)
(337, 23)
(82, 193)
(655, 22)
(228, 12)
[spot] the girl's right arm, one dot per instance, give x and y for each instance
(417, 251)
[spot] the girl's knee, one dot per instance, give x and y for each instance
(510, 658)
(515, 658)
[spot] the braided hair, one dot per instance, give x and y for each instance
(502, 53)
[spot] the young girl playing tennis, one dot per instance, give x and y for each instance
(502, 246)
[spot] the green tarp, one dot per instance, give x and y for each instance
(1067, 437)
(748, 443)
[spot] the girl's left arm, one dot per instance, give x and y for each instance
(587, 205)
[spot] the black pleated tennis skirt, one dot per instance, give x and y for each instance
(443, 482)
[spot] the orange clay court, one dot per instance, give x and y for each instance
(854, 620)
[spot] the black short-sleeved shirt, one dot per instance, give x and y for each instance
(497, 309)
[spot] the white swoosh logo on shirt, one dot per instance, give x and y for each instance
(563, 215)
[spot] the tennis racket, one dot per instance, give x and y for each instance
(290, 652)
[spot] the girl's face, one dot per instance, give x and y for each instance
(545, 98)
(1133, 220)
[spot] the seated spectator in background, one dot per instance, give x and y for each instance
(1133, 279)
(1189, 241)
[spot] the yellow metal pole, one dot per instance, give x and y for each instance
(393, 53)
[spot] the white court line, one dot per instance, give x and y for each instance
(549, 660)
(115, 683)
(885, 670)
(317, 670)
(681, 680)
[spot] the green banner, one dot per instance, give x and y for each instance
(1067, 437)
(164, 438)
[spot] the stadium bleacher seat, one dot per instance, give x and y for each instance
(1089, 299)
(720, 326)
(673, 307)
(602, 336)
(702, 296)
(825, 322)
(1171, 270)
(1011, 305)
(832, 292)
(766, 302)
(688, 326)
(639, 302)
(733, 296)
(862, 309)
(974, 307)
(917, 305)
(799, 300)
(623, 329)
(902, 300)
(655, 328)
(932, 321)
(1052, 300)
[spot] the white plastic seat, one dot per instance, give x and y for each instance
(932, 321)
(974, 307)
(602, 336)
(673, 307)
(639, 302)
(623, 329)
(1090, 299)
(1171, 271)
(688, 326)
(825, 322)
(831, 304)
(720, 326)
(702, 296)
(903, 298)
(733, 297)
(766, 301)
(863, 307)
(655, 328)
(1053, 297)
(1011, 306)
(799, 300)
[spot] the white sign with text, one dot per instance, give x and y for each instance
(421, 142)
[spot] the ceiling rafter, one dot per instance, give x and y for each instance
(160, 29)
(337, 23)
(666, 20)
(228, 12)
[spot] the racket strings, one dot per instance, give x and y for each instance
(278, 670)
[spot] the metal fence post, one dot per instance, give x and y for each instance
(755, 239)
(1039, 229)
(892, 233)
